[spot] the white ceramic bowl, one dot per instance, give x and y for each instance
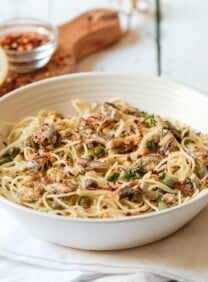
(148, 93)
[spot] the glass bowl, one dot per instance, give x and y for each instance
(29, 60)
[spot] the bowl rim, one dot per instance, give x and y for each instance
(104, 74)
(200, 196)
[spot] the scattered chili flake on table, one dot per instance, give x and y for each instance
(23, 41)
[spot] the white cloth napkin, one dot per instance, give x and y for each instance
(182, 256)
(31, 273)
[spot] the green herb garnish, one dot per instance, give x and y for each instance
(162, 175)
(56, 206)
(10, 155)
(32, 144)
(150, 119)
(136, 198)
(159, 199)
(99, 151)
(201, 172)
(141, 171)
(134, 173)
(89, 157)
(86, 127)
(113, 177)
(187, 141)
(7, 186)
(151, 145)
(127, 175)
(169, 182)
(85, 202)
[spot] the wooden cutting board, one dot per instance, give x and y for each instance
(84, 35)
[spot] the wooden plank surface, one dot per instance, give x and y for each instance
(136, 53)
(24, 8)
(184, 42)
(183, 37)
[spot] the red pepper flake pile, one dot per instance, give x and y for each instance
(23, 41)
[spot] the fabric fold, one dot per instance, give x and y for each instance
(182, 256)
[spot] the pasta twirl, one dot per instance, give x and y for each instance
(110, 160)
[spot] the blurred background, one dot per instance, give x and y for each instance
(170, 39)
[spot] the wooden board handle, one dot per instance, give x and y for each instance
(85, 34)
(90, 32)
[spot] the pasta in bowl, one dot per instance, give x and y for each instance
(110, 160)
(114, 166)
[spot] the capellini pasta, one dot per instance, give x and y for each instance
(111, 160)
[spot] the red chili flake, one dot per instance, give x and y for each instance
(49, 163)
(92, 188)
(134, 148)
(137, 121)
(23, 41)
(128, 214)
(4, 143)
(128, 158)
(179, 186)
(21, 154)
(155, 172)
(109, 188)
(105, 207)
(70, 174)
(67, 175)
(89, 121)
(104, 156)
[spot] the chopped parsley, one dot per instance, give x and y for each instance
(151, 145)
(127, 175)
(99, 151)
(162, 175)
(10, 155)
(201, 172)
(169, 182)
(136, 198)
(85, 202)
(159, 199)
(187, 141)
(86, 127)
(113, 177)
(89, 157)
(134, 173)
(7, 186)
(150, 119)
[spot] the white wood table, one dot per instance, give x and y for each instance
(171, 40)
